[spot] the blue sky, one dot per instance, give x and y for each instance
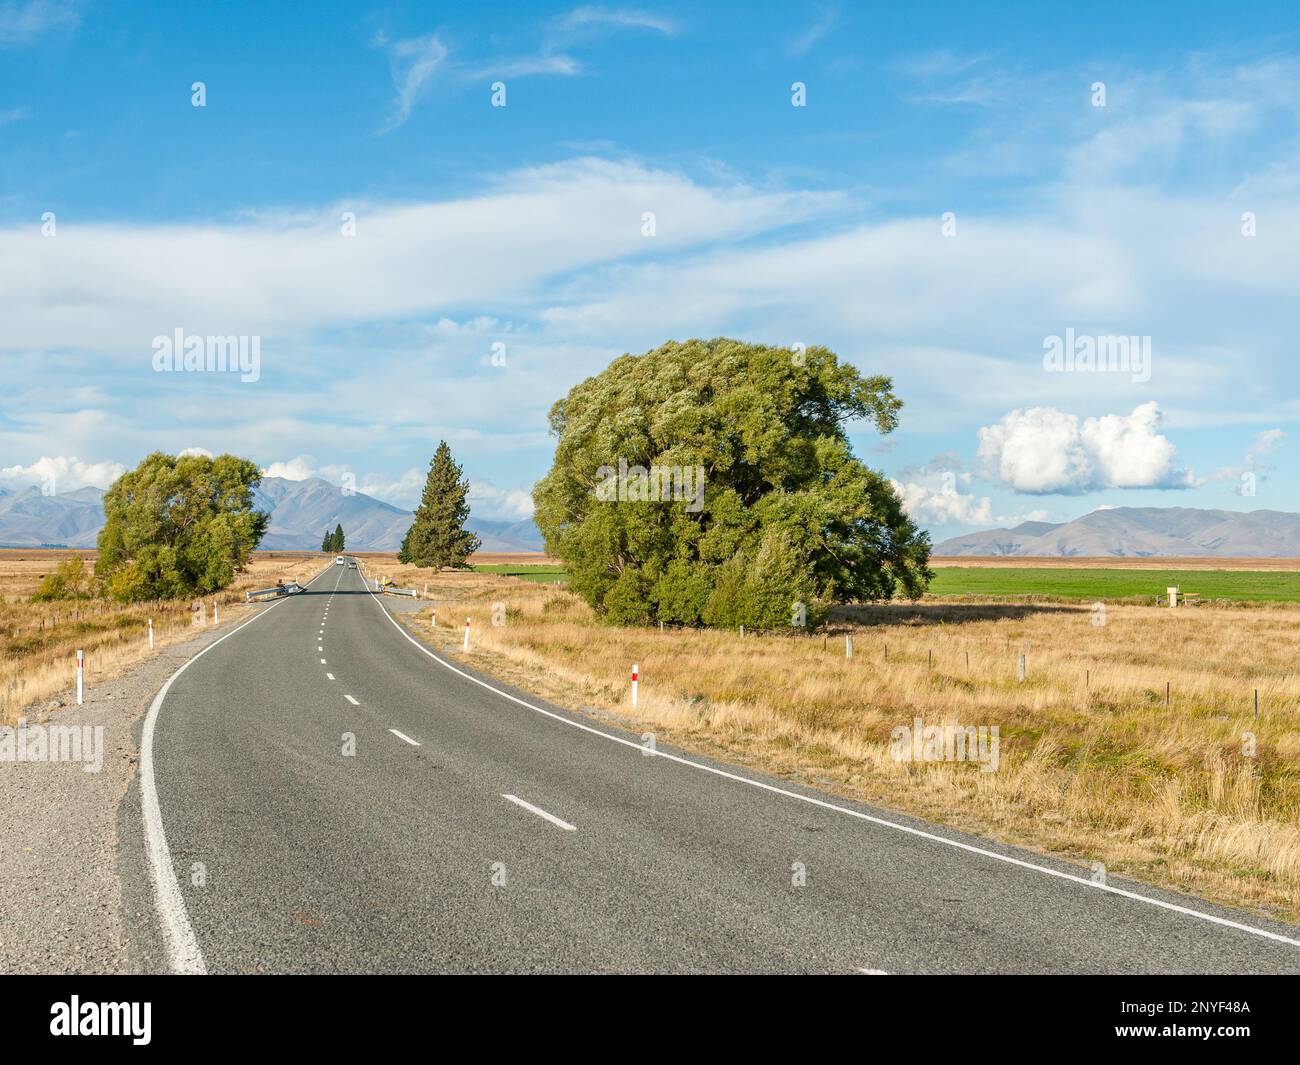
(1170, 213)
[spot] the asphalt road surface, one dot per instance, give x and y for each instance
(472, 827)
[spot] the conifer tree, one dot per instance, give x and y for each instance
(438, 537)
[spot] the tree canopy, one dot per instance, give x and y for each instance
(437, 536)
(333, 541)
(179, 526)
(713, 482)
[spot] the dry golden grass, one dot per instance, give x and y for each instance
(1094, 766)
(38, 641)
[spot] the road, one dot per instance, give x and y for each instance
(477, 828)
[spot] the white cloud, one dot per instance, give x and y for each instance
(297, 469)
(192, 452)
(413, 63)
(402, 491)
(114, 288)
(1267, 442)
(618, 18)
(486, 500)
(1044, 449)
(61, 474)
(944, 505)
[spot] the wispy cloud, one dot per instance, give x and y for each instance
(605, 19)
(13, 114)
(22, 23)
(804, 42)
(413, 62)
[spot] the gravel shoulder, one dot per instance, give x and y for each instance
(61, 869)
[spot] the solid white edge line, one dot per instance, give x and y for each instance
(404, 736)
(183, 952)
(957, 844)
(541, 813)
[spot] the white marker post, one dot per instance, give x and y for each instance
(467, 634)
(151, 634)
(635, 670)
(848, 646)
(426, 589)
(216, 614)
(81, 677)
(433, 618)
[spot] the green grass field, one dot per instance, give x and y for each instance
(538, 574)
(1246, 585)
(1064, 583)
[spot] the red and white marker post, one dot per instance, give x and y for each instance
(151, 634)
(81, 677)
(467, 634)
(433, 618)
(635, 671)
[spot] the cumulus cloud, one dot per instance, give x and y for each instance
(298, 469)
(61, 474)
(195, 452)
(486, 500)
(1044, 449)
(943, 505)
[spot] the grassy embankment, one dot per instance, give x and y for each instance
(38, 641)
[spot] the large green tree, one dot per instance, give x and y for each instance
(437, 536)
(787, 522)
(179, 526)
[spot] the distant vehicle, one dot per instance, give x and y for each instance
(352, 563)
(339, 561)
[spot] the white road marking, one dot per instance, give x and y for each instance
(1086, 882)
(541, 813)
(330, 675)
(404, 736)
(320, 648)
(351, 700)
(873, 972)
(322, 661)
(183, 952)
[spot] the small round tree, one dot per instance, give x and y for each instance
(712, 482)
(179, 527)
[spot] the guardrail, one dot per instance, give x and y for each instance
(279, 590)
(412, 592)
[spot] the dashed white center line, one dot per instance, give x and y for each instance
(541, 813)
(351, 700)
(322, 661)
(873, 972)
(403, 736)
(329, 676)
(320, 648)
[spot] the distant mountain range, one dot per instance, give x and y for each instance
(1141, 532)
(301, 512)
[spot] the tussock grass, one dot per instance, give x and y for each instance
(1094, 765)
